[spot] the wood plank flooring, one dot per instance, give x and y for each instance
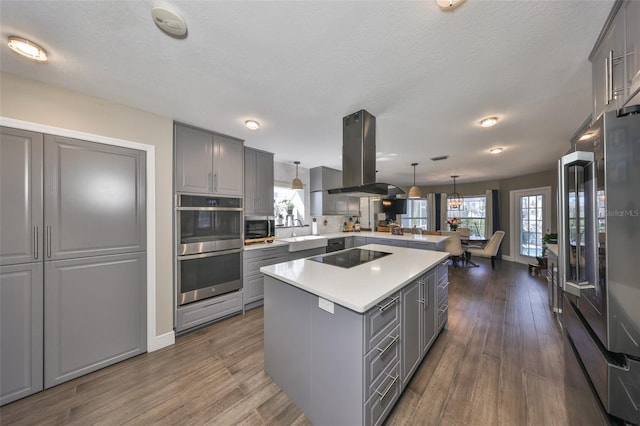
(502, 361)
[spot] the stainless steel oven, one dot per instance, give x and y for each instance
(209, 236)
(208, 224)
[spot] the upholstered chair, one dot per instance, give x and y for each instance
(490, 250)
(453, 246)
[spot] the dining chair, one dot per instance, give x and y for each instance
(464, 232)
(490, 250)
(453, 246)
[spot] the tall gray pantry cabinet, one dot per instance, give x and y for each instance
(72, 259)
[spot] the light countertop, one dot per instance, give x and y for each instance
(361, 287)
(553, 248)
(259, 246)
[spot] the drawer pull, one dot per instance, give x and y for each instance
(421, 301)
(387, 305)
(386, 348)
(393, 382)
(270, 258)
(443, 309)
(445, 263)
(443, 286)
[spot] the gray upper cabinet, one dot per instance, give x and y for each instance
(21, 221)
(258, 182)
(207, 163)
(322, 203)
(615, 65)
(95, 198)
(21, 331)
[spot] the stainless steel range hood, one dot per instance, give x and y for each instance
(359, 158)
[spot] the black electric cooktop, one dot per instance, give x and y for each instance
(350, 258)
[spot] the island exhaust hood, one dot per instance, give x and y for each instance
(359, 158)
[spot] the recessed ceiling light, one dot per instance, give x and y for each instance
(252, 124)
(496, 150)
(489, 121)
(27, 48)
(448, 4)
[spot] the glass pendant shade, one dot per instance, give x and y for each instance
(454, 200)
(297, 183)
(414, 191)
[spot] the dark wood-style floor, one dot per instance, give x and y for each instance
(502, 361)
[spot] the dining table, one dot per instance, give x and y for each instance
(471, 240)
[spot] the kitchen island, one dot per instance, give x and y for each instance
(343, 343)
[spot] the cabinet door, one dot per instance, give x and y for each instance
(94, 314)
(428, 306)
(228, 166)
(253, 288)
(353, 205)
(632, 29)
(95, 199)
(20, 331)
(608, 69)
(194, 160)
(264, 167)
(20, 196)
(250, 182)
(411, 345)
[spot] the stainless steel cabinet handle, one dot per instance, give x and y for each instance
(443, 286)
(421, 301)
(36, 249)
(386, 348)
(48, 241)
(215, 182)
(393, 382)
(445, 263)
(386, 306)
(610, 71)
(606, 80)
(210, 181)
(443, 309)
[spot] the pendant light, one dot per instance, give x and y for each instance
(454, 199)
(297, 183)
(414, 192)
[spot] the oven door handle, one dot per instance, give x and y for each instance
(208, 254)
(210, 209)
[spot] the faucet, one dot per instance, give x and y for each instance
(293, 228)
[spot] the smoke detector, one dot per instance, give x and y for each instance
(169, 20)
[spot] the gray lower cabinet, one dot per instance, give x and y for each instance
(203, 312)
(442, 311)
(386, 241)
(253, 279)
(294, 255)
(258, 182)
(92, 314)
(21, 334)
(359, 241)
(344, 367)
(207, 162)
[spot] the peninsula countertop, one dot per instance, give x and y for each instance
(434, 239)
(361, 287)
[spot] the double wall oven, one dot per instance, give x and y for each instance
(209, 246)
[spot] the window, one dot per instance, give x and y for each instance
(473, 214)
(531, 230)
(417, 215)
(288, 205)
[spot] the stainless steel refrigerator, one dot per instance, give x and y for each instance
(599, 257)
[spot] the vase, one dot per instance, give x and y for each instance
(453, 227)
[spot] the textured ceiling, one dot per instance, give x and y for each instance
(299, 66)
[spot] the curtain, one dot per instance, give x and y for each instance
(431, 205)
(488, 223)
(443, 212)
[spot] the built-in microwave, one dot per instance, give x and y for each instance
(258, 227)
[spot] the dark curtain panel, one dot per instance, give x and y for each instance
(438, 211)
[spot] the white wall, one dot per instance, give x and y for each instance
(35, 102)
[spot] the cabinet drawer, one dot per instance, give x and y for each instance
(208, 310)
(385, 353)
(443, 292)
(384, 396)
(443, 312)
(380, 320)
(443, 274)
(266, 252)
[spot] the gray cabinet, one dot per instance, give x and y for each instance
(615, 65)
(208, 310)
(386, 241)
(359, 241)
(442, 295)
(418, 322)
(73, 255)
(253, 279)
(294, 255)
(258, 182)
(92, 314)
(322, 203)
(207, 162)
(21, 334)
(94, 198)
(21, 221)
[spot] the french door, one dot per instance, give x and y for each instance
(530, 220)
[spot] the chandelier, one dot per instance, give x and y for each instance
(454, 199)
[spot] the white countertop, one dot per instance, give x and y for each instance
(258, 246)
(553, 248)
(361, 287)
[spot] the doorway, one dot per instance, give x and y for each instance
(530, 220)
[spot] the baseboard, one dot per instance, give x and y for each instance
(162, 341)
(508, 258)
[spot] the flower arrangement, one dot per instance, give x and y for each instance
(454, 222)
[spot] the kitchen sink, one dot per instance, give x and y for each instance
(305, 242)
